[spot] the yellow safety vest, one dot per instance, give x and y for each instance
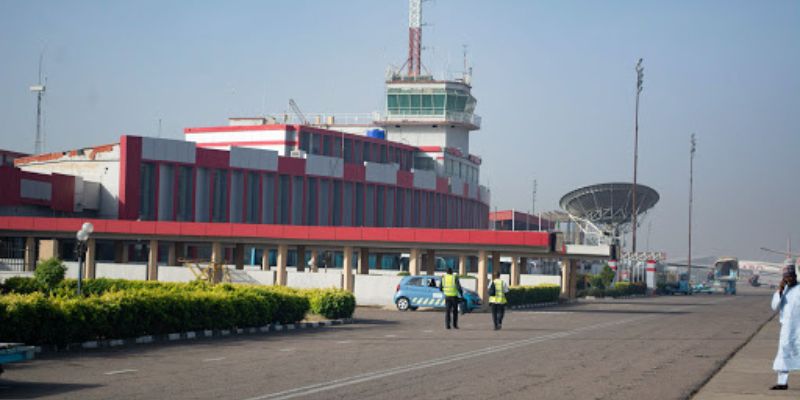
(449, 285)
(499, 296)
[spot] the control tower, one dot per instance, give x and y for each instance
(436, 116)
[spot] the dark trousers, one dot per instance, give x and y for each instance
(498, 311)
(452, 306)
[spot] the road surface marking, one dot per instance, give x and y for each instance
(390, 336)
(415, 367)
(337, 383)
(288, 349)
(214, 359)
(344, 341)
(122, 371)
(428, 330)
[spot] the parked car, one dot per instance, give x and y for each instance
(425, 291)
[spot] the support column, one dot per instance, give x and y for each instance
(514, 271)
(48, 249)
(482, 272)
(495, 261)
(152, 261)
(430, 264)
(301, 258)
(30, 254)
(568, 277)
(462, 264)
(265, 259)
(172, 254)
(283, 254)
(91, 254)
(217, 259)
(314, 260)
(413, 262)
(120, 252)
(363, 261)
(347, 269)
(238, 255)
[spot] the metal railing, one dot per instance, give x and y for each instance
(322, 119)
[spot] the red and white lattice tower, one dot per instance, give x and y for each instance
(414, 37)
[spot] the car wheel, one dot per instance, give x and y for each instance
(402, 304)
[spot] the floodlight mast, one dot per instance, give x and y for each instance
(639, 81)
(39, 89)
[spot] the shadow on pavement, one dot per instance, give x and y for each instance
(11, 389)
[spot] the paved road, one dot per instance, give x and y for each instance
(655, 348)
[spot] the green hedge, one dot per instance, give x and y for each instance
(331, 303)
(619, 289)
(113, 309)
(543, 293)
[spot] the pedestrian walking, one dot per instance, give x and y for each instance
(497, 299)
(787, 300)
(452, 295)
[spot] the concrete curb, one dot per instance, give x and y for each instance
(534, 305)
(189, 335)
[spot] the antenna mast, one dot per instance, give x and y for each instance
(39, 89)
(414, 37)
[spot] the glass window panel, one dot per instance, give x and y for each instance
(237, 191)
(283, 193)
(268, 199)
(337, 203)
(147, 194)
(297, 200)
(348, 205)
(359, 220)
(370, 206)
(185, 178)
(166, 192)
(326, 145)
(252, 198)
(311, 203)
(348, 150)
(201, 196)
(220, 207)
(323, 204)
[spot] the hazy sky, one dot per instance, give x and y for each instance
(555, 84)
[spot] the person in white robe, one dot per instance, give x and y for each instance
(787, 300)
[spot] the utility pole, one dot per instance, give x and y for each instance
(691, 179)
(533, 201)
(639, 81)
(39, 89)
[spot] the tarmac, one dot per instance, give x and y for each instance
(748, 375)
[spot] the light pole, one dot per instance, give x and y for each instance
(639, 81)
(691, 179)
(82, 235)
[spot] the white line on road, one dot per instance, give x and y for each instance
(370, 376)
(287, 349)
(344, 341)
(214, 359)
(122, 371)
(390, 336)
(337, 383)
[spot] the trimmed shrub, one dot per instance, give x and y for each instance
(467, 277)
(332, 303)
(543, 293)
(50, 273)
(403, 273)
(21, 285)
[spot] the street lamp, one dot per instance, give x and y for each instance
(639, 81)
(82, 235)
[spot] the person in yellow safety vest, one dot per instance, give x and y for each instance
(451, 288)
(498, 299)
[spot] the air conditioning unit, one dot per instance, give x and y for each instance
(298, 154)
